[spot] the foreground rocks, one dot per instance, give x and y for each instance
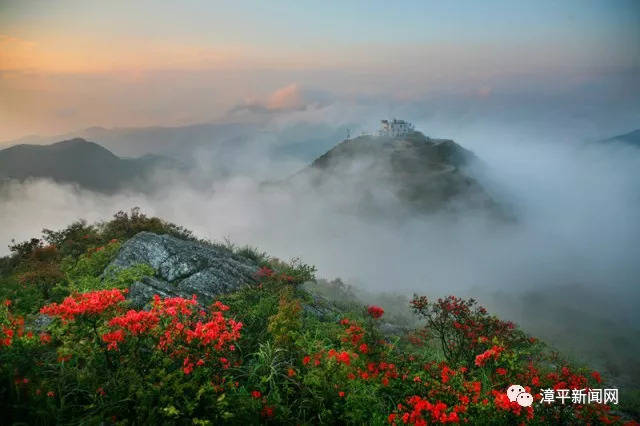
(183, 268)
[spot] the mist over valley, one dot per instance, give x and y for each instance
(516, 227)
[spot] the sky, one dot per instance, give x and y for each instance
(68, 65)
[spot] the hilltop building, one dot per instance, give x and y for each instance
(395, 127)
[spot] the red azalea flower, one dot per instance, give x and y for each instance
(446, 374)
(264, 272)
(187, 366)
(113, 338)
(220, 306)
(494, 353)
(501, 400)
(136, 322)
(344, 358)
(375, 311)
(90, 303)
(267, 411)
(45, 338)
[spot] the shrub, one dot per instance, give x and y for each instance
(464, 330)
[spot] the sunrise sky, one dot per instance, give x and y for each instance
(67, 65)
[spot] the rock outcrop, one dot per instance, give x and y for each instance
(183, 268)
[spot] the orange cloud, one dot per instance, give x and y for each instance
(288, 97)
(484, 91)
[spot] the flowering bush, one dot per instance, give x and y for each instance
(10, 326)
(465, 330)
(121, 348)
(92, 303)
(375, 311)
(267, 353)
(357, 375)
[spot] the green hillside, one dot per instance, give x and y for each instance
(136, 321)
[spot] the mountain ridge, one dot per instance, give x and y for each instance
(301, 140)
(77, 161)
(632, 139)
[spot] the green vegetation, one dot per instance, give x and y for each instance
(275, 351)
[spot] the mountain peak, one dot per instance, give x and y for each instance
(420, 173)
(412, 144)
(77, 161)
(79, 143)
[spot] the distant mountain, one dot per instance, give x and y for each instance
(631, 138)
(81, 162)
(138, 141)
(225, 145)
(381, 174)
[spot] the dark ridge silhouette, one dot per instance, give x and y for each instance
(631, 138)
(80, 162)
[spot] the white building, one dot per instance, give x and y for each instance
(395, 127)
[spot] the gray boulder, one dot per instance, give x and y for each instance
(183, 268)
